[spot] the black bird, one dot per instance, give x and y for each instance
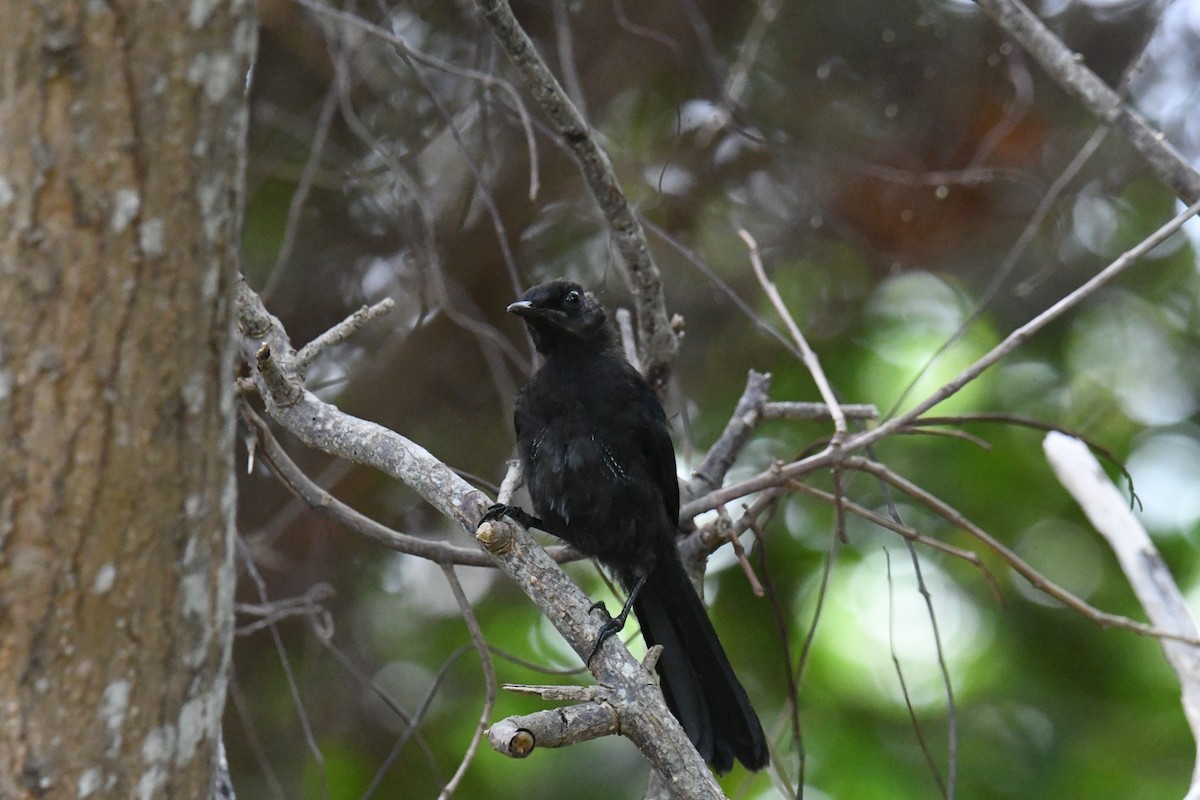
(600, 470)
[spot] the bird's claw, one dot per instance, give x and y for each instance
(515, 513)
(606, 630)
(496, 511)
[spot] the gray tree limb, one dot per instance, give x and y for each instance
(1069, 72)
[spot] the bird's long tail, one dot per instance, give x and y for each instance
(697, 680)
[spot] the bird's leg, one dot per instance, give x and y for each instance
(515, 513)
(616, 624)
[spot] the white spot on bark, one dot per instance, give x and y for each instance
(128, 202)
(7, 193)
(245, 37)
(217, 73)
(195, 594)
(193, 505)
(193, 728)
(193, 392)
(157, 748)
(151, 238)
(6, 385)
(105, 577)
(113, 709)
(200, 12)
(210, 281)
(89, 782)
(153, 779)
(223, 76)
(212, 210)
(197, 69)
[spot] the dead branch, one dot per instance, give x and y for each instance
(711, 471)
(1148, 575)
(659, 342)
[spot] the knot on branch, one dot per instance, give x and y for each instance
(285, 391)
(516, 737)
(495, 538)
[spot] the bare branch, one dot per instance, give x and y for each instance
(658, 339)
(323, 502)
(786, 409)
(342, 331)
(1069, 71)
(516, 737)
(1081, 475)
(323, 426)
(711, 471)
(644, 716)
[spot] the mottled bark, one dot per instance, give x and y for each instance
(122, 129)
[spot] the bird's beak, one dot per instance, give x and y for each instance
(526, 309)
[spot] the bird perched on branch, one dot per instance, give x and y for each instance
(600, 469)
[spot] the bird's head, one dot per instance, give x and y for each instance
(560, 313)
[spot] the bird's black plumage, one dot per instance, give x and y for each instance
(600, 469)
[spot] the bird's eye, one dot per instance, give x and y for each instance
(572, 299)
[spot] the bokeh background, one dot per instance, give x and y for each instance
(887, 157)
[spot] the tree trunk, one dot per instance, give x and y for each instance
(122, 130)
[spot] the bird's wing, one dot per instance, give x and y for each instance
(660, 452)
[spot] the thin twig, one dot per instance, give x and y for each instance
(408, 720)
(811, 362)
(918, 729)
(739, 74)
(485, 79)
(309, 173)
(904, 531)
(342, 331)
(285, 663)
(1019, 565)
(949, 789)
(411, 731)
(489, 677)
(711, 471)
(790, 409)
(253, 740)
(782, 620)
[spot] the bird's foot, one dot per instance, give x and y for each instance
(615, 624)
(515, 513)
(606, 630)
